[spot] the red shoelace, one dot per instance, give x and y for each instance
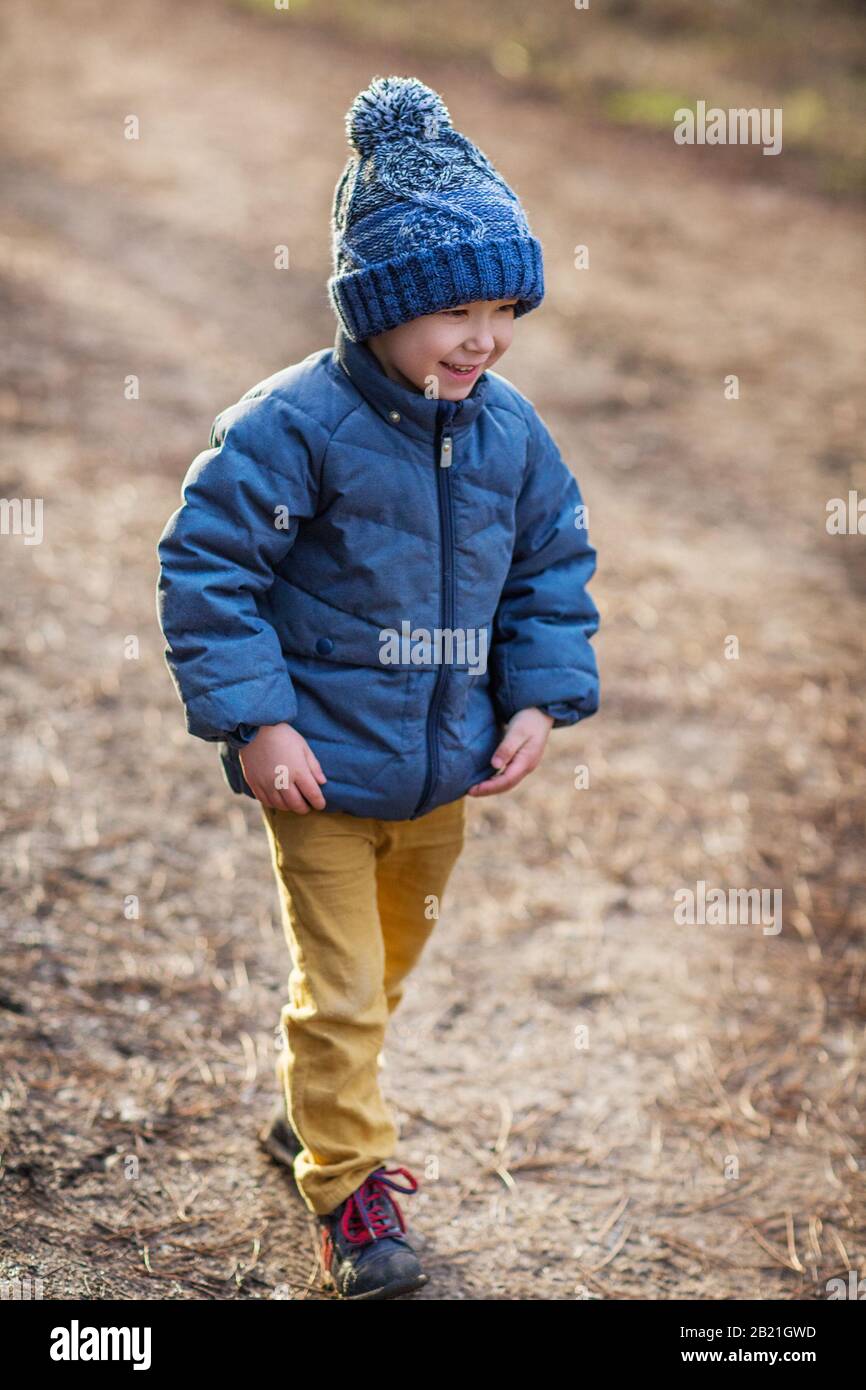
(369, 1212)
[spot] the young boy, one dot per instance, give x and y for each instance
(366, 526)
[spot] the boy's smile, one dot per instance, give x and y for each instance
(451, 347)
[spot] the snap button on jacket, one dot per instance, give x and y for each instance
(337, 516)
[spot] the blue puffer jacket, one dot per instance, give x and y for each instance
(334, 506)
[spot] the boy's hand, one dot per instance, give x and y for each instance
(519, 752)
(279, 766)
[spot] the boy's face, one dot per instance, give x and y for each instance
(470, 335)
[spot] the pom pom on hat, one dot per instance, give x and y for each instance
(394, 108)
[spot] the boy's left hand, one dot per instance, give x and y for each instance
(519, 752)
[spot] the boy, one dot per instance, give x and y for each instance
(366, 526)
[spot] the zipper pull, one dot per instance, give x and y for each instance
(445, 452)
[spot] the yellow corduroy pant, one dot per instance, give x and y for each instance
(359, 899)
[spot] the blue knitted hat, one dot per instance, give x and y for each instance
(421, 219)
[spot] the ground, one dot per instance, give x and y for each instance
(598, 1101)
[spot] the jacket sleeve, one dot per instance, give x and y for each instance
(540, 652)
(242, 500)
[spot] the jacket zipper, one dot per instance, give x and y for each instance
(443, 450)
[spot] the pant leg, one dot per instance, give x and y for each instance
(334, 1023)
(413, 864)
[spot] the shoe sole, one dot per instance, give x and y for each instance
(386, 1291)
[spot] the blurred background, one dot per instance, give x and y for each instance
(703, 1138)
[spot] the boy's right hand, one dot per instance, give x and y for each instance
(279, 766)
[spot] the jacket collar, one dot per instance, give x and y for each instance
(418, 414)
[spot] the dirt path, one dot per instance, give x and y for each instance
(702, 1136)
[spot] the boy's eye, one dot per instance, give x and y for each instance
(502, 307)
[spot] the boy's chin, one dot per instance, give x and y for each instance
(453, 390)
(447, 390)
